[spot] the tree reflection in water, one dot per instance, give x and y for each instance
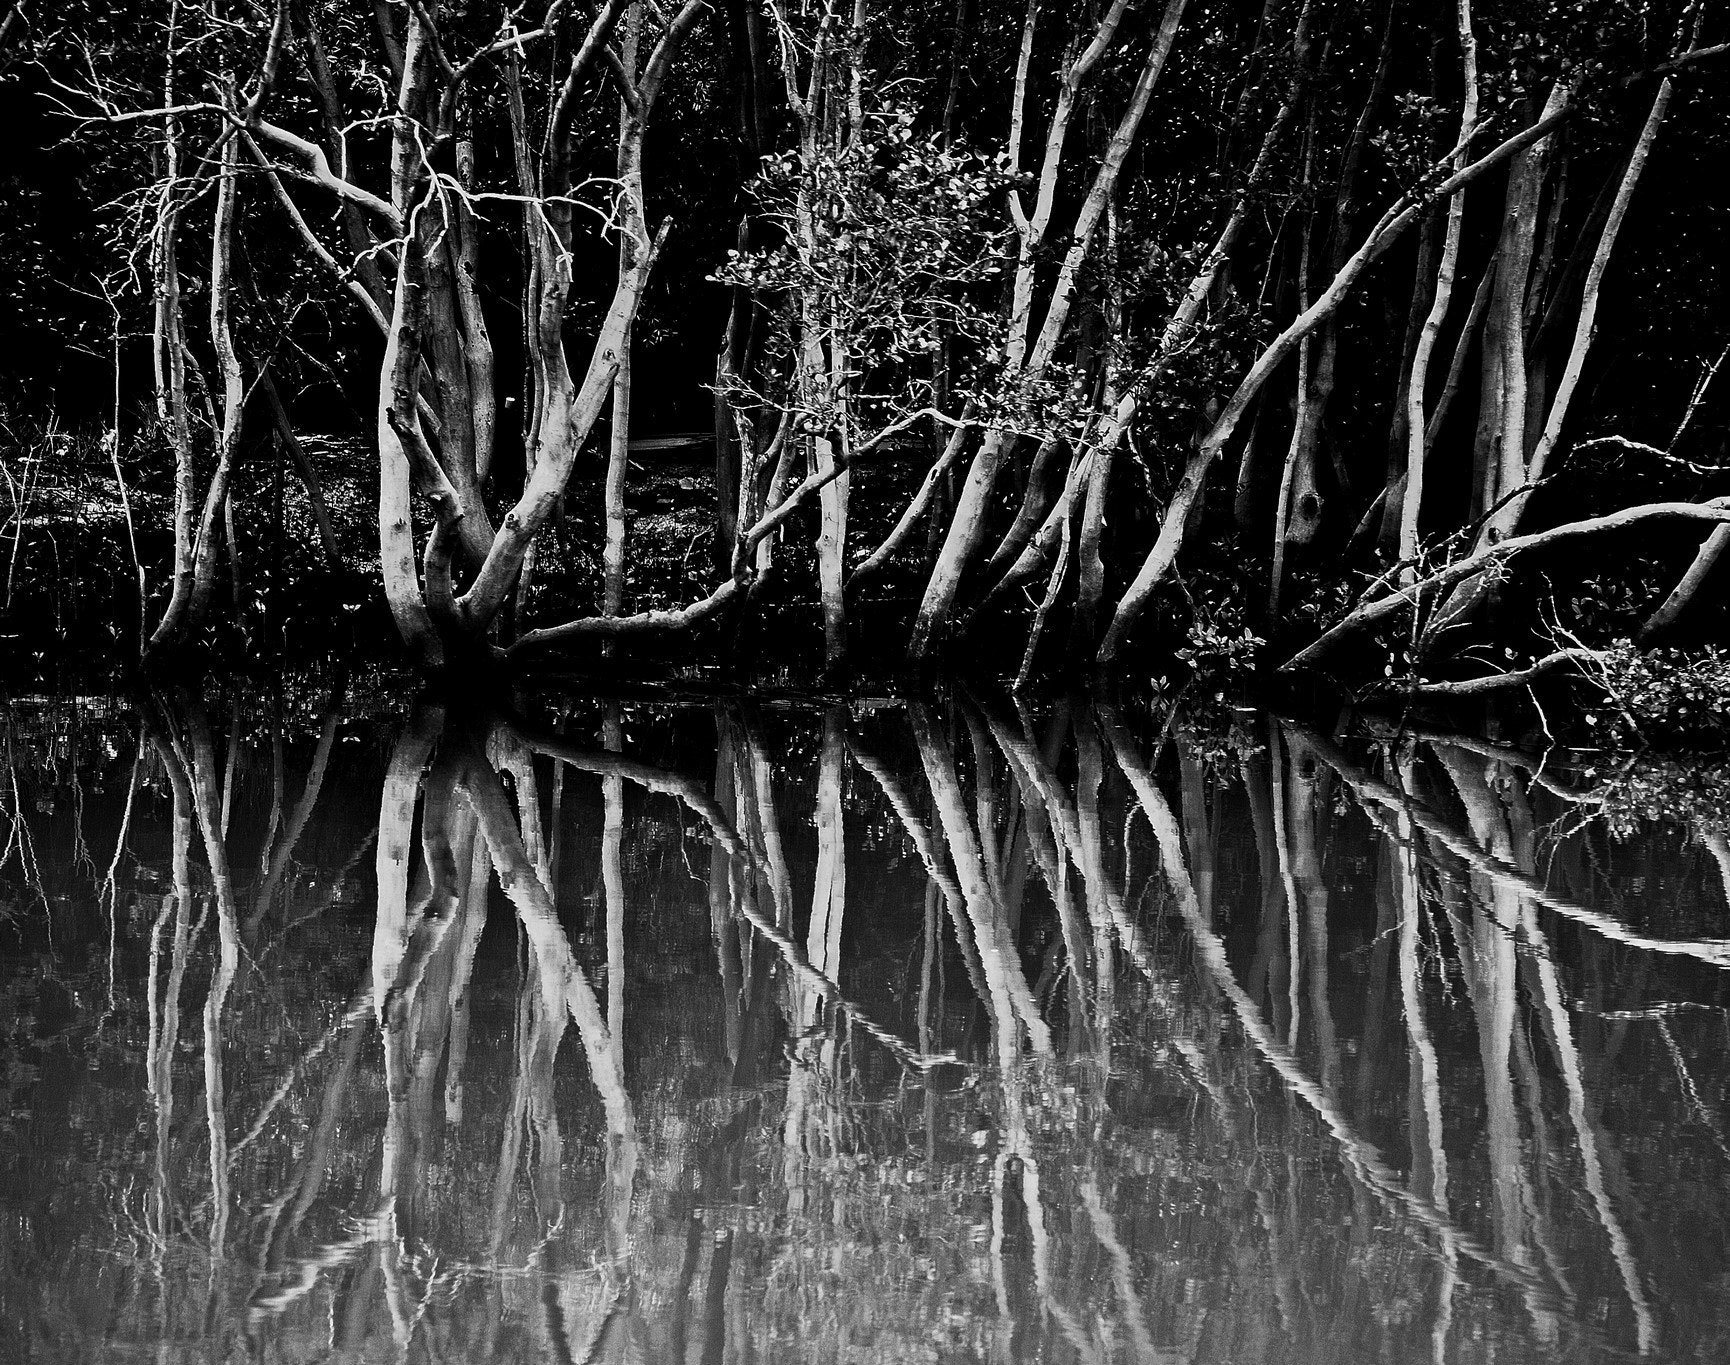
(901, 1031)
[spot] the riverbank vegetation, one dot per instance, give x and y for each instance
(1337, 336)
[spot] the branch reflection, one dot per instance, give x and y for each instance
(927, 1030)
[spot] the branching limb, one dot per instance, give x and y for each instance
(1415, 594)
(316, 168)
(1476, 687)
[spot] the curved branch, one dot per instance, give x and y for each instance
(1399, 216)
(1412, 596)
(682, 618)
(916, 509)
(1476, 687)
(319, 251)
(317, 169)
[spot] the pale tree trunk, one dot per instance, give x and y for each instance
(1499, 447)
(449, 352)
(433, 314)
(619, 447)
(1290, 473)
(1705, 560)
(1174, 525)
(1507, 520)
(195, 558)
(1090, 563)
(831, 545)
(1416, 425)
(967, 525)
(567, 408)
(1518, 481)
(830, 369)
(1502, 425)
(233, 397)
(477, 343)
(168, 338)
(825, 92)
(396, 418)
(1422, 299)
(1032, 553)
(1300, 455)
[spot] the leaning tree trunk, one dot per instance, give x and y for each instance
(1174, 525)
(1029, 363)
(1467, 598)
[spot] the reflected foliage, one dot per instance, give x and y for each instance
(908, 1030)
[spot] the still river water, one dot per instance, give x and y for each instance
(341, 1028)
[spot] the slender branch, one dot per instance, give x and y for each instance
(1495, 682)
(317, 169)
(1412, 596)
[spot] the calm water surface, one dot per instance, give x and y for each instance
(351, 1029)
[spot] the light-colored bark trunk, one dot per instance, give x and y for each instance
(630, 167)
(168, 349)
(564, 409)
(1299, 467)
(196, 561)
(1174, 526)
(966, 528)
(618, 467)
(1090, 537)
(1289, 477)
(831, 544)
(1411, 501)
(1705, 559)
(1517, 482)
(1586, 328)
